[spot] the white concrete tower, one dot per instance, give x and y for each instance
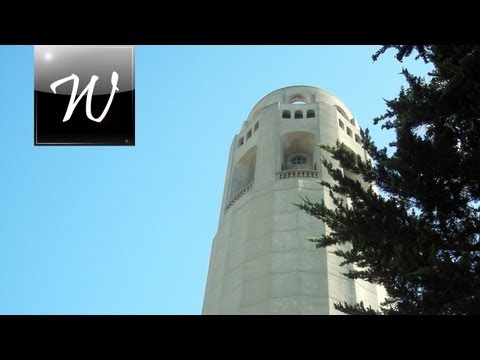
(261, 261)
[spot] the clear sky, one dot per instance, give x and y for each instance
(128, 230)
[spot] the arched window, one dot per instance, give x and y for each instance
(240, 142)
(286, 114)
(349, 132)
(342, 112)
(249, 134)
(298, 99)
(298, 114)
(310, 113)
(297, 151)
(340, 123)
(298, 159)
(244, 172)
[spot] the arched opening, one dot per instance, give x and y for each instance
(297, 151)
(352, 121)
(249, 134)
(243, 173)
(286, 114)
(349, 132)
(310, 113)
(241, 141)
(298, 99)
(342, 112)
(298, 114)
(297, 160)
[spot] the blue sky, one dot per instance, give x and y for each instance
(151, 210)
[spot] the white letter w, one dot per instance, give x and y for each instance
(90, 87)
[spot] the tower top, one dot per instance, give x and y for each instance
(297, 94)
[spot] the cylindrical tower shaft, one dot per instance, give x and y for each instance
(261, 260)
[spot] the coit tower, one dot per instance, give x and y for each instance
(261, 260)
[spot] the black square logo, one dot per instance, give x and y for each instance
(84, 95)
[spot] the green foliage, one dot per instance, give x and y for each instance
(419, 237)
(355, 309)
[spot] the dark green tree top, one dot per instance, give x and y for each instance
(419, 236)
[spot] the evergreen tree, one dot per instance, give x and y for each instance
(419, 236)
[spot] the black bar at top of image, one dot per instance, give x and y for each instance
(179, 23)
